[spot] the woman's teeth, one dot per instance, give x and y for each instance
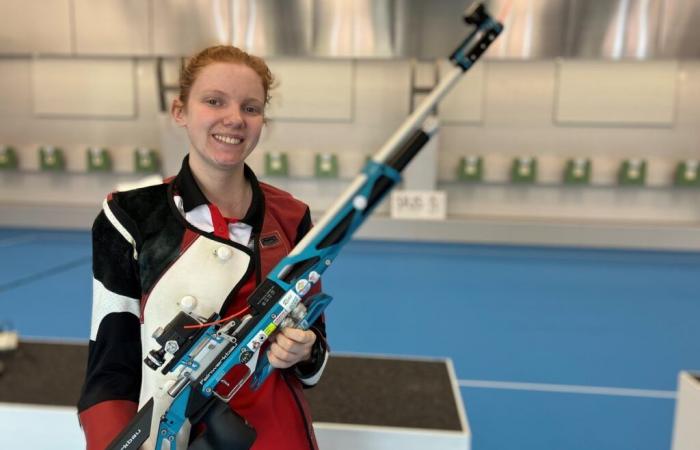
(227, 140)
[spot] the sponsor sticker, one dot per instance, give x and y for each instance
(289, 301)
(302, 287)
(314, 277)
(245, 356)
(280, 317)
(257, 340)
(270, 329)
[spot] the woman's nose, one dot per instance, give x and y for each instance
(233, 118)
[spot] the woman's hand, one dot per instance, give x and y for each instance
(290, 346)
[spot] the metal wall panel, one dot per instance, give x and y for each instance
(533, 28)
(272, 27)
(614, 29)
(353, 28)
(35, 27)
(112, 27)
(432, 29)
(679, 36)
(373, 28)
(333, 28)
(183, 27)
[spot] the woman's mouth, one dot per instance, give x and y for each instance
(227, 139)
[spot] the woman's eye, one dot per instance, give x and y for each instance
(213, 102)
(252, 109)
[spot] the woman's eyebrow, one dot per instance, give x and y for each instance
(214, 91)
(222, 93)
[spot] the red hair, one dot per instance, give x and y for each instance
(225, 54)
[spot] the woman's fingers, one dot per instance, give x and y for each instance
(290, 346)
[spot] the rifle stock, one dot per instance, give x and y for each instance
(138, 430)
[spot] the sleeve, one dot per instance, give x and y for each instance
(309, 372)
(109, 396)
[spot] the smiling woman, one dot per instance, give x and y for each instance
(199, 243)
(223, 118)
(223, 94)
(227, 103)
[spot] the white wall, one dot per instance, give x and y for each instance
(358, 104)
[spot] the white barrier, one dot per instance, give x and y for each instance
(686, 426)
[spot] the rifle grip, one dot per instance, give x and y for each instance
(316, 305)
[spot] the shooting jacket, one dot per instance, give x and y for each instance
(154, 250)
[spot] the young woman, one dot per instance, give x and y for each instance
(200, 242)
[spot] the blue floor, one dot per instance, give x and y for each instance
(506, 419)
(597, 318)
(50, 273)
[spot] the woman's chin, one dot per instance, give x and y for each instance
(226, 160)
(227, 164)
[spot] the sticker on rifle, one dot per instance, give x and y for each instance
(257, 340)
(270, 328)
(314, 277)
(289, 301)
(280, 317)
(302, 287)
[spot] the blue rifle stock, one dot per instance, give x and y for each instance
(205, 356)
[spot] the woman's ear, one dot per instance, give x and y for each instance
(177, 112)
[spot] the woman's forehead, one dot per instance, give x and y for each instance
(229, 77)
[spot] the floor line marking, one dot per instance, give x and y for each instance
(16, 240)
(568, 388)
(45, 274)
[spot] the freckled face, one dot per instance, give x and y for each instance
(223, 116)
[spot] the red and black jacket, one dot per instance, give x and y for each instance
(139, 237)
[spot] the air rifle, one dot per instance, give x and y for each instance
(200, 354)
